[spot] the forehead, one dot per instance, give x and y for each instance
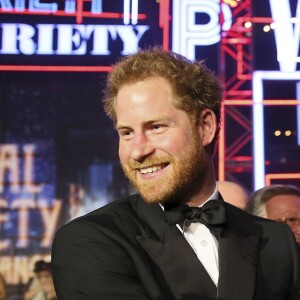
(149, 96)
(284, 202)
(43, 273)
(158, 85)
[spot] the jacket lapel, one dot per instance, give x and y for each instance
(238, 248)
(177, 261)
(237, 258)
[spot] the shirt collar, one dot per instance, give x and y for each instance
(213, 196)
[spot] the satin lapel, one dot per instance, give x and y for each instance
(153, 218)
(178, 262)
(237, 258)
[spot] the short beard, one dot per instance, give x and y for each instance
(186, 179)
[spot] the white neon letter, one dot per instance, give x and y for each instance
(10, 36)
(128, 36)
(20, 5)
(96, 7)
(134, 11)
(73, 37)
(70, 6)
(6, 5)
(100, 43)
(187, 33)
(23, 205)
(45, 39)
(287, 39)
(50, 218)
(35, 5)
(9, 162)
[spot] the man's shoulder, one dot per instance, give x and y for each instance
(127, 204)
(111, 215)
(235, 212)
(246, 222)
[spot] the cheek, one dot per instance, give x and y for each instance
(172, 148)
(177, 144)
(124, 152)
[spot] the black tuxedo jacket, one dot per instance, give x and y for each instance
(125, 250)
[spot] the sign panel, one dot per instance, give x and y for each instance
(77, 33)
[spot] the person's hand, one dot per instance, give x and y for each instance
(34, 288)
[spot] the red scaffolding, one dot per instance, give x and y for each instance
(235, 146)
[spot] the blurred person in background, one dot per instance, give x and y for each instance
(280, 203)
(234, 193)
(41, 285)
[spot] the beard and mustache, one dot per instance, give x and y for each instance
(185, 176)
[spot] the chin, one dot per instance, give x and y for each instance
(151, 199)
(159, 199)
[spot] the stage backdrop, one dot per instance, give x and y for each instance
(58, 150)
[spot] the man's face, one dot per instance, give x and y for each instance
(160, 150)
(45, 278)
(285, 206)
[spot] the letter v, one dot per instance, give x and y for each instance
(287, 39)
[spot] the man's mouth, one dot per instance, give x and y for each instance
(152, 169)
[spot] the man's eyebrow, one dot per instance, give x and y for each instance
(119, 126)
(149, 121)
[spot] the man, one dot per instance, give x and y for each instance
(41, 286)
(158, 244)
(234, 193)
(280, 203)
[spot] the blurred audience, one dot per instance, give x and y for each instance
(280, 203)
(41, 285)
(234, 193)
(2, 288)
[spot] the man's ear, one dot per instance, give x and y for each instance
(207, 126)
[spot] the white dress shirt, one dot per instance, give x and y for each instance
(204, 243)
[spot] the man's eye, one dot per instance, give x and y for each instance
(125, 133)
(158, 128)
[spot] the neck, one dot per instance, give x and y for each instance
(204, 191)
(202, 197)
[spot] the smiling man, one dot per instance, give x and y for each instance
(160, 149)
(176, 238)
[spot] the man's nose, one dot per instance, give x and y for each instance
(141, 147)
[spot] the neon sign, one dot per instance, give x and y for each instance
(188, 33)
(258, 119)
(66, 39)
(19, 198)
(37, 6)
(18, 269)
(286, 33)
(95, 30)
(29, 212)
(194, 23)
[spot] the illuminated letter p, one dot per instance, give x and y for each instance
(195, 23)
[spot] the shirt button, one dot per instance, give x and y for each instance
(203, 243)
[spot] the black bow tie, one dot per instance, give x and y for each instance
(212, 214)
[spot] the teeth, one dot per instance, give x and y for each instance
(150, 170)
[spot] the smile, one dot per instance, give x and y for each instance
(151, 169)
